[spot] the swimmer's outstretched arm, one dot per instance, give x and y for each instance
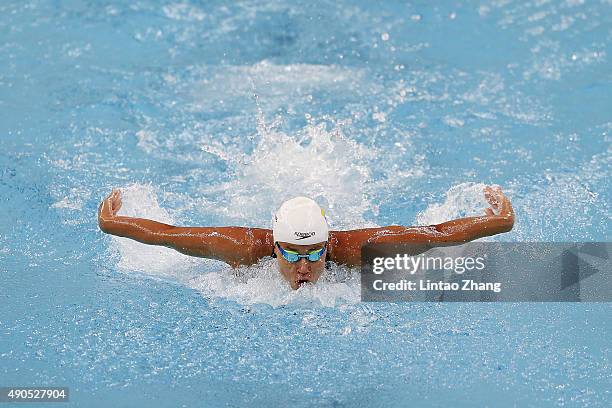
(233, 245)
(345, 246)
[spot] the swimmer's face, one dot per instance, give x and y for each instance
(302, 271)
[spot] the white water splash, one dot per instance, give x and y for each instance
(262, 283)
(462, 200)
(317, 163)
(141, 201)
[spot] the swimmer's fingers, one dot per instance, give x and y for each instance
(494, 196)
(110, 205)
(115, 201)
(500, 204)
(104, 210)
(489, 212)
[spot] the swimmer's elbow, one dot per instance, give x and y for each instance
(102, 225)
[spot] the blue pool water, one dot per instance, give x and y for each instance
(213, 113)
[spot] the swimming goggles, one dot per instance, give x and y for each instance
(293, 257)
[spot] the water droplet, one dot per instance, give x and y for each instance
(379, 116)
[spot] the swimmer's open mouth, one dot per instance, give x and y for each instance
(300, 282)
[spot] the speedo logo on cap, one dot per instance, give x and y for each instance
(304, 235)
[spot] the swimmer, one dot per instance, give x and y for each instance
(300, 238)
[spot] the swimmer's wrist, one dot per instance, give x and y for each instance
(504, 222)
(106, 222)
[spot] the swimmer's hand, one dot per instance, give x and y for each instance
(500, 204)
(109, 207)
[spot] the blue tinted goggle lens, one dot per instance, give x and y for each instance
(293, 257)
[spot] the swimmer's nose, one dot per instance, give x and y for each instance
(303, 266)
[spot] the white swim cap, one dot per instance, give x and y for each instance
(300, 221)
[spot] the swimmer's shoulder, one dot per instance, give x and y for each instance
(261, 242)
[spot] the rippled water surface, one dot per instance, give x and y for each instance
(213, 113)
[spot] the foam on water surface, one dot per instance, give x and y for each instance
(316, 163)
(462, 200)
(141, 201)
